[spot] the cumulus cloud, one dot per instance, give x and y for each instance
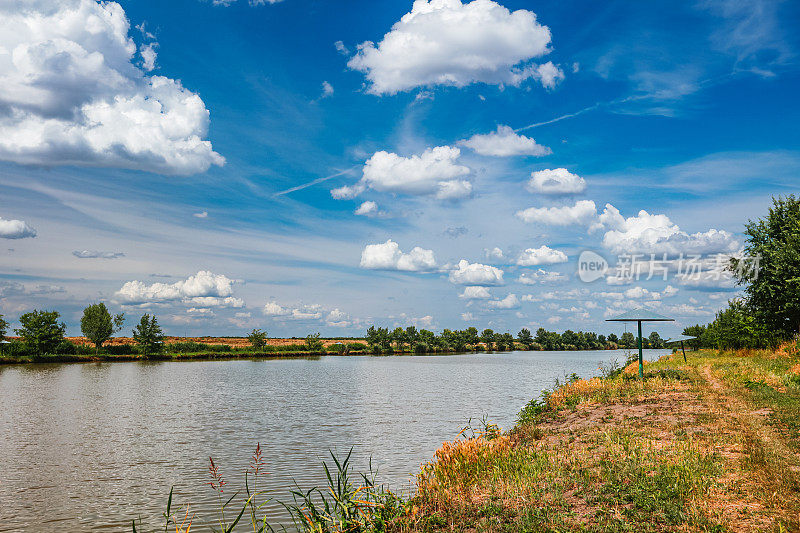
(301, 312)
(273, 309)
(388, 256)
(503, 143)
(204, 289)
(509, 302)
(543, 255)
(94, 254)
(446, 42)
(15, 229)
(584, 212)
(646, 233)
(540, 276)
(557, 181)
(475, 293)
(432, 173)
(327, 89)
(467, 273)
(73, 94)
(495, 254)
(368, 209)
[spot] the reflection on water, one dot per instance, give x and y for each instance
(91, 446)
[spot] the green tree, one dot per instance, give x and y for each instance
(628, 340)
(613, 338)
(487, 338)
(3, 328)
(98, 325)
(695, 331)
(399, 338)
(770, 269)
(313, 343)
(148, 335)
(735, 328)
(41, 331)
(525, 338)
(258, 339)
(655, 340)
(471, 336)
(411, 335)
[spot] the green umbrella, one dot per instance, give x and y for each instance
(640, 315)
(681, 338)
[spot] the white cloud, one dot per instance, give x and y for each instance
(557, 181)
(467, 273)
(495, 254)
(302, 312)
(475, 293)
(543, 255)
(341, 48)
(505, 142)
(204, 289)
(307, 312)
(466, 317)
(540, 276)
(15, 229)
(148, 53)
(646, 233)
(583, 212)
(273, 309)
(368, 209)
(327, 89)
(554, 320)
(72, 94)
(445, 42)
(388, 256)
(94, 254)
(509, 302)
(432, 173)
(669, 291)
(202, 214)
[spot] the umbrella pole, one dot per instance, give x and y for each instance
(641, 363)
(684, 352)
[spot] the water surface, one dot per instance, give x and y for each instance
(90, 446)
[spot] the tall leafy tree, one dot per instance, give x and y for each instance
(695, 331)
(487, 338)
(148, 336)
(3, 328)
(770, 270)
(98, 325)
(525, 338)
(258, 339)
(41, 331)
(628, 340)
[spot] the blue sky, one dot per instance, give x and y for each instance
(321, 166)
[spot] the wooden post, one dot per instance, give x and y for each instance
(684, 352)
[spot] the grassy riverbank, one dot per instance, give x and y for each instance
(711, 444)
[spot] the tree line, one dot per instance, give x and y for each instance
(384, 340)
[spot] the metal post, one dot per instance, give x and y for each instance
(684, 352)
(641, 363)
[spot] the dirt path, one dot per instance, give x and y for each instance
(759, 462)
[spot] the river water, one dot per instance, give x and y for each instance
(92, 446)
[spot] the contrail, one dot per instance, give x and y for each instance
(314, 182)
(580, 112)
(558, 119)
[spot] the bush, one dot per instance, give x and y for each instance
(356, 346)
(16, 348)
(121, 349)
